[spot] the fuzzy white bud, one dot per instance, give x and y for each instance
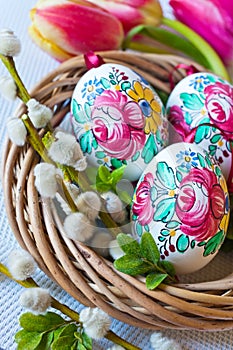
(46, 179)
(114, 206)
(114, 250)
(17, 131)
(116, 347)
(89, 203)
(100, 242)
(160, 342)
(9, 43)
(39, 114)
(78, 227)
(8, 88)
(21, 264)
(35, 299)
(66, 150)
(96, 322)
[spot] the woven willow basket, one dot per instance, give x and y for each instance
(86, 276)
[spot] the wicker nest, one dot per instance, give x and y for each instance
(87, 277)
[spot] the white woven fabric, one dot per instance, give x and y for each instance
(33, 65)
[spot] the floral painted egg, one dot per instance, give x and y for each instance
(118, 119)
(201, 110)
(182, 200)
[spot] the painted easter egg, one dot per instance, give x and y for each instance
(200, 108)
(182, 199)
(118, 118)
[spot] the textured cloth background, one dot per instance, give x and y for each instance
(33, 65)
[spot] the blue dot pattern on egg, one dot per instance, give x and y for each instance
(200, 108)
(118, 119)
(182, 199)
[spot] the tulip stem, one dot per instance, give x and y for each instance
(171, 43)
(215, 63)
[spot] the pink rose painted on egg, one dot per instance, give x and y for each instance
(118, 125)
(142, 205)
(219, 104)
(200, 204)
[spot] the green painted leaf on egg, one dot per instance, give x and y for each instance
(125, 85)
(182, 243)
(135, 157)
(202, 132)
(215, 138)
(214, 243)
(139, 229)
(201, 160)
(165, 210)
(191, 101)
(77, 112)
(166, 176)
(150, 149)
(105, 83)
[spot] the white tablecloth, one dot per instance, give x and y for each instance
(33, 64)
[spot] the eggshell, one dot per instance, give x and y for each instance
(118, 118)
(182, 200)
(205, 99)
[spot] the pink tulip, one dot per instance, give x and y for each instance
(68, 28)
(211, 19)
(133, 12)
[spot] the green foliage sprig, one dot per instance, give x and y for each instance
(144, 259)
(50, 331)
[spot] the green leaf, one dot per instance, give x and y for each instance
(104, 174)
(149, 249)
(117, 174)
(68, 330)
(132, 265)
(153, 280)
(168, 267)
(46, 341)
(81, 347)
(166, 176)
(87, 341)
(128, 244)
(28, 340)
(63, 343)
(40, 323)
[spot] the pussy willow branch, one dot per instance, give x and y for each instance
(30, 283)
(36, 142)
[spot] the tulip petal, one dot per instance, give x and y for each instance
(207, 20)
(73, 28)
(132, 13)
